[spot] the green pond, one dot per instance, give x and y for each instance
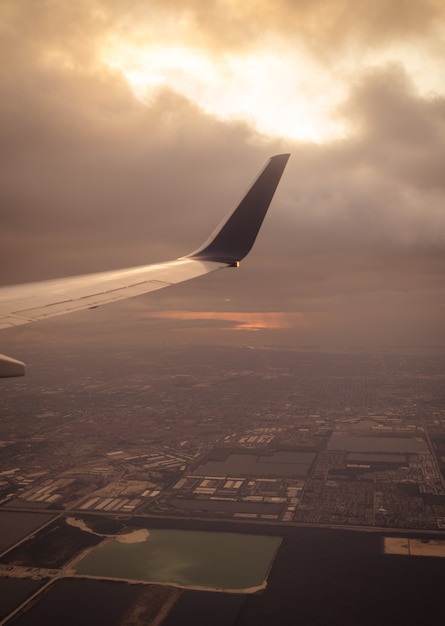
(185, 558)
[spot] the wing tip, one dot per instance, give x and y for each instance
(283, 155)
(234, 238)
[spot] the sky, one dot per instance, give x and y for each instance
(128, 129)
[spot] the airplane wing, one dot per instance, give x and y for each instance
(226, 247)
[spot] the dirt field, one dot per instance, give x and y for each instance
(414, 547)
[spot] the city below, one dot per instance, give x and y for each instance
(258, 441)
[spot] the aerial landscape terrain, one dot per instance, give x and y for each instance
(336, 457)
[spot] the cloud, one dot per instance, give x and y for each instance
(320, 24)
(94, 178)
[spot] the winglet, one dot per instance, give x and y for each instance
(235, 236)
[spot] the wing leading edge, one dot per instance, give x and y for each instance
(226, 247)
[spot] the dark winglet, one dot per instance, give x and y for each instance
(234, 238)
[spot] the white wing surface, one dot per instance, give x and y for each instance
(228, 245)
(21, 304)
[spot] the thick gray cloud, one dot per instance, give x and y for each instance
(94, 179)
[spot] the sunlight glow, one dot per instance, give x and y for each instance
(280, 89)
(240, 320)
(276, 93)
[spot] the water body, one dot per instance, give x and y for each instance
(15, 526)
(280, 464)
(202, 609)
(13, 591)
(218, 561)
(405, 445)
(80, 603)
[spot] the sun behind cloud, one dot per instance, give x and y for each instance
(274, 91)
(282, 84)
